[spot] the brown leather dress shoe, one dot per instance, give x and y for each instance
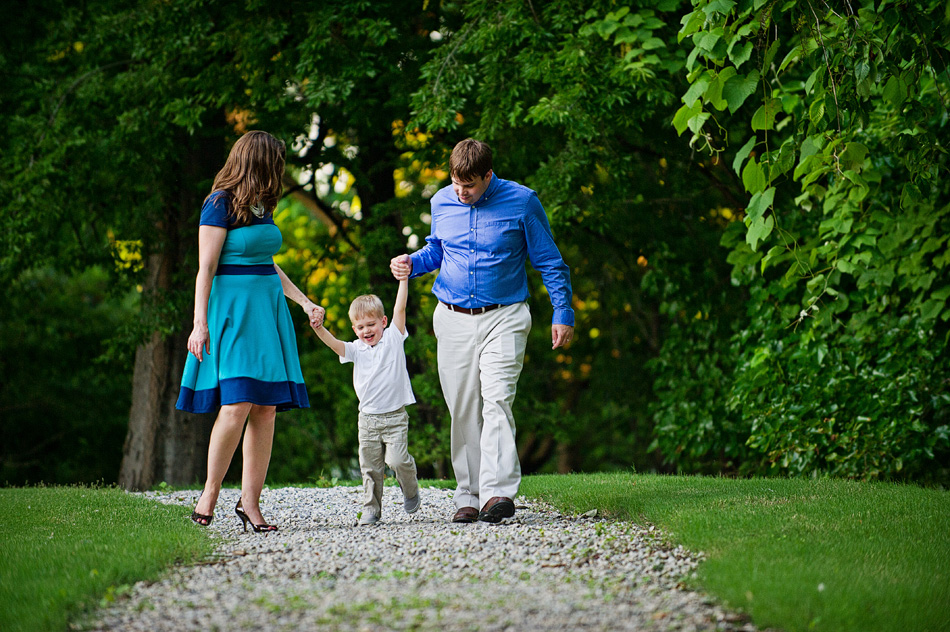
(497, 508)
(465, 514)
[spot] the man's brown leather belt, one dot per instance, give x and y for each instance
(471, 311)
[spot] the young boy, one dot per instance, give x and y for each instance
(382, 385)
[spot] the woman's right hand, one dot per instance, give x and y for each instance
(317, 314)
(199, 341)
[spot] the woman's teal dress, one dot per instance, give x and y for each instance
(253, 347)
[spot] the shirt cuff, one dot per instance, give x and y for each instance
(563, 317)
(416, 266)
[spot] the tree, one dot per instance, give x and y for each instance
(576, 100)
(131, 108)
(839, 114)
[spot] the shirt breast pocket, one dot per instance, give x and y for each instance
(504, 236)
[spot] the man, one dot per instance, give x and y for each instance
(483, 230)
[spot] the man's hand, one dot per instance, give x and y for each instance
(401, 267)
(561, 335)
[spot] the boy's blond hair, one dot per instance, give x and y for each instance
(366, 306)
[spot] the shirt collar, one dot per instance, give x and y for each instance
(490, 191)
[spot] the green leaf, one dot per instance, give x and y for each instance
(816, 112)
(764, 117)
(753, 177)
(845, 266)
(684, 114)
(800, 51)
(861, 188)
(653, 43)
(853, 156)
(773, 253)
(894, 91)
(625, 35)
(811, 146)
(708, 40)
(842, 224)
(743, 154)
(691, 22)
(770, 55)
(713, 94)
(606, 28)
(619, 13)
(942, 294)
(931, 309)
(739, 88)
(698, 88)
(695, 124)
(759, 230)
(740, 56)
(760, 203)
(718, 6)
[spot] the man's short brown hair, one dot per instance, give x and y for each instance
(470, 159)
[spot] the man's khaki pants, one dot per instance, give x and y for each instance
(480, 359)
(384, 440)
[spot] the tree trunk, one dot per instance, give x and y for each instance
(164, 444)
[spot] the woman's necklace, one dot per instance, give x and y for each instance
(258, 210)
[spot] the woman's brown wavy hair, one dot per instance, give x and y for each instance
(252, 175)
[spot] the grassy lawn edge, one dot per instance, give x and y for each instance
(795, 554)
(69, 549)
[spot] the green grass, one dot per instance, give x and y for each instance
(879, 552)
(795, 554)
(65, 549)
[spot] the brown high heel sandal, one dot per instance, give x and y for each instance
(258, 528)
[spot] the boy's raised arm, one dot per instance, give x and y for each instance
(338, 346)
(399, 309)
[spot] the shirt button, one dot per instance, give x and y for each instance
(473, 250)
(471, 296)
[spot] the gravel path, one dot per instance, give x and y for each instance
(537, 571)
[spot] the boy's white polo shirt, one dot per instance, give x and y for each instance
(380, 377)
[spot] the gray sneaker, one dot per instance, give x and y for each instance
(368, 518)
(411, 505)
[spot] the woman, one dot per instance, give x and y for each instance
(243, 352)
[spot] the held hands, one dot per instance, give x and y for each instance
(199, 341)
(316, 314)
(401, 267)
(561, 335)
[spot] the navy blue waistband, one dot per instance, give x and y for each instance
(233, 268)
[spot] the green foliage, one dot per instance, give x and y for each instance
(574, 99)
(64, 404)
(841, 365)
(822, 131)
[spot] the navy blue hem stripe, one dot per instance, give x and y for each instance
(284, 395)
(237, 269)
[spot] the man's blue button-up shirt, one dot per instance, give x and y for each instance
(480, 250)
